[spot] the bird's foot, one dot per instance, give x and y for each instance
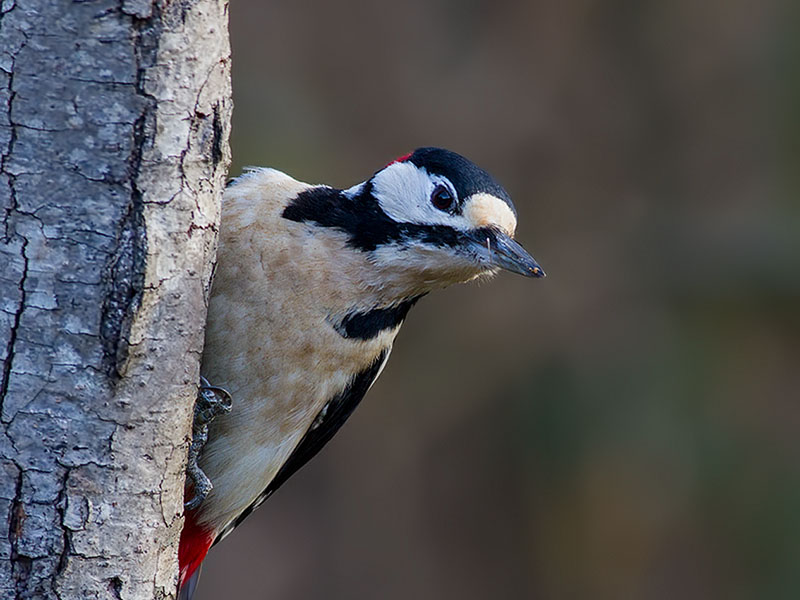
(211, 402)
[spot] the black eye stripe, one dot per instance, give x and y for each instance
(367, 226)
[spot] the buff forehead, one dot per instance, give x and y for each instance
(485, 210)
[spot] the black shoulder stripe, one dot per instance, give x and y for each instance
(360, 217)
(366, 325)
(363, 219)
(325, 425)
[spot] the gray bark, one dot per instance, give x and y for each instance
(113, 152)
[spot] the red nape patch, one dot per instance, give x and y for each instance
(193, 547)
(403, 158)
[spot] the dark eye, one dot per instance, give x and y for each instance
(441, 198)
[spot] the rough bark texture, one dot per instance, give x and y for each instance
(113, 152)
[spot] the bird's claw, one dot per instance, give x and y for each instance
(211, 402)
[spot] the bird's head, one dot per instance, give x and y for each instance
(432, 217)
(453, 219)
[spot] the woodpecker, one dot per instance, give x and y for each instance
(311, 286)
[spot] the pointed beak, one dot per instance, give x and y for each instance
(500, 250)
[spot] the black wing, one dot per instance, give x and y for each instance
(332, 416)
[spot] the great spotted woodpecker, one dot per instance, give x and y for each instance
(311, 286)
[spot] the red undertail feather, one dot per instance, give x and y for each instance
(193, 547)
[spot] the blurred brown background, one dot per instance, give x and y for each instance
(628, 427)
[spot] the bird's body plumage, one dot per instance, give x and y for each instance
(310, 289)
(269, 338)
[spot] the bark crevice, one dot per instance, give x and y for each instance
(125, 272)
(21, 564)
(12, 336)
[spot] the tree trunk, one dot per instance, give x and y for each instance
(114, 120)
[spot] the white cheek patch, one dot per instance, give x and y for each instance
(485, 210)
(402, 191)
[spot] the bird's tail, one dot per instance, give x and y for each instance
(186, 588)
